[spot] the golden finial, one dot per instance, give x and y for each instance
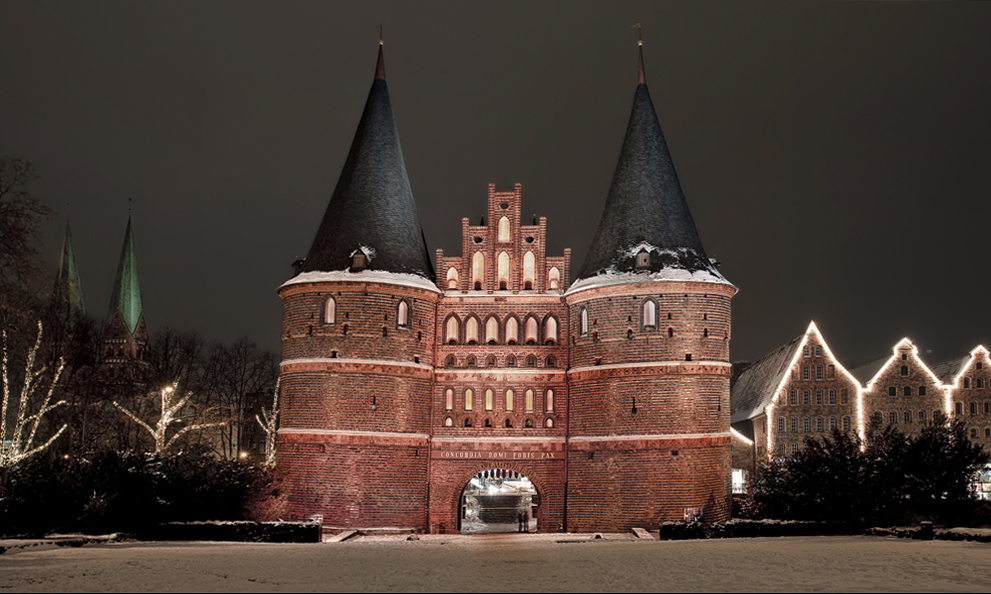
(637, 26)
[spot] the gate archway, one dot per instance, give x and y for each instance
(498, 500)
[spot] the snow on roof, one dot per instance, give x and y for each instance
(947, 371)
(755, 388)
(866, 372)
(612, 277)
(365, 276)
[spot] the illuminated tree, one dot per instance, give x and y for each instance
(270, 426)
(169, 410)
(25, 426)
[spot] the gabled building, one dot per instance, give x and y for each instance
(797, 390)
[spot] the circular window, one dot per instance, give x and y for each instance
(504, 205)
(478, 240)
(529, 239)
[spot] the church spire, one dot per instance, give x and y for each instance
(646, 226)
(126, 296)
(67, 294)
(372, 210)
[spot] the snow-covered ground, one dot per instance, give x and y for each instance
(511, 563)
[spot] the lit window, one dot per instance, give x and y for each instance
(402, 316)
(509, 400)
(330, 311)
(554, 278)
(503, 263)
(549, 423)
(550, 330)
(468, 395)
(492, 331)
(529, 401)
(529, 270)
(549, 400)
(471, 331)
(449, 399)
(448, 422)
(451, 331)
(478, 271)
(531, 330)
(649, 314)
(512, 331)
(504, 235)
(488, 400)
(583, 323)
(452, 278)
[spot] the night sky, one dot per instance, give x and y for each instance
(835, 155)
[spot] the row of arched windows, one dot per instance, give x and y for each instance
(486, 400)
(648, 318)
(493, 361)
(330, 313)
(785, 426)
(493, 332)
(487, 422)
(503, 273)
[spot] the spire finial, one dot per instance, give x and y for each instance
(380, 67)
(129, 204)
(642, 73)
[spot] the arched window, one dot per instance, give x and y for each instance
(531, 361)
(452, 278)
(471, 330)
(649, 314)
(907, 391)
(488, 399)
(402, 315)
(470, 361)
(509, 400)
(670, 332)
(451, 361)
(330, 311)
(510, 361)
(512, 331)
(492, 331)
(549, 423)
(448, 422)
(468, 395)
(551, 361)
(550, 330)
(554, 278)
(549, 400)
(529, 270)
(504, 230)
(503, 271)
(583, 322)
(490, 361)
(451, 330)
(528, 424)
(449, 400)
(531, 330)
(529, 401)
(478, 271)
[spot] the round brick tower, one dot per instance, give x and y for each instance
(358, 322)
(649, 378)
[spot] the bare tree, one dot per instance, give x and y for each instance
(169, 415)
(270, 426)
(25, 426)
(20, 217)
(239, 376)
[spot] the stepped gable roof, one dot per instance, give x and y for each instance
(372, 207)
(947, 371)
(755, 388)
(646, 209)
(126, 296)
(67, 294)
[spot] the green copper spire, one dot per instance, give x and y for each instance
(126, 296)
(68, 291)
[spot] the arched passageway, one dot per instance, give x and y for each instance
(498, 500)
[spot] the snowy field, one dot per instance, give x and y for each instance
(512, 563)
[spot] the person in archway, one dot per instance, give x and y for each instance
(526, 522)
(519, 521)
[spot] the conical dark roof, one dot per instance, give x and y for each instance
(126, 296)
(68, 291)
(372, 207)
(646, 209)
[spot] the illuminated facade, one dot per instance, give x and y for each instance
(413, 386)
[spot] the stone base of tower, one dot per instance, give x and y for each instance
(356, 480)
(618, 484)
